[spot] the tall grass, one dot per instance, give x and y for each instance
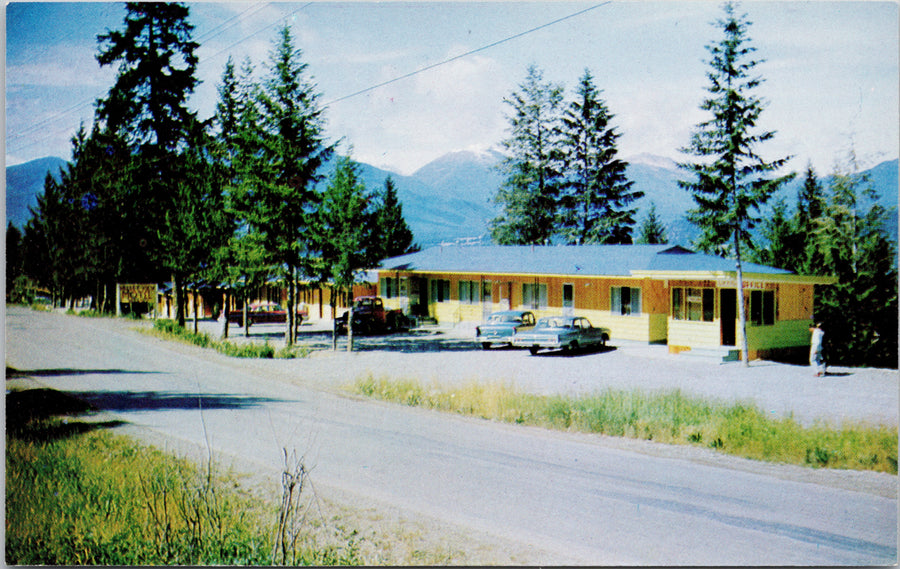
(665, 416)
(170, 330)
(79, 495)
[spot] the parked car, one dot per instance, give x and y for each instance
(502, 326)
(561, 333)
(266, 313)
(371, 317)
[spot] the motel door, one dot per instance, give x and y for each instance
(728, 315)
(568, 299)
(487, 302)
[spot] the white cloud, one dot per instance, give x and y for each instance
(409, 123)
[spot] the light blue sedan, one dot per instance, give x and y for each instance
(502, 327)
(561, 333)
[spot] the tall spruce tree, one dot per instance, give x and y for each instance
(346, 234)
(652, 231)
(860, 311)
(147, 106)
(529, 195)
(730, 180)
(595, 195)
(286, 169)
(394, 235)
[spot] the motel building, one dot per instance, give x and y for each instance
(661, 294)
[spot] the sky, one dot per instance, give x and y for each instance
(830, 71)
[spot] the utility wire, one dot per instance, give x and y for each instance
(466, 54)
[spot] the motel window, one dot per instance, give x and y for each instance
(694, 304)
(625, 300)
(534, 295)
(389, 287)
(468, 292)
(762, 307)
(440, 290)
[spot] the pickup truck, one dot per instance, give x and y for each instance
(370, 316)
(266, 313)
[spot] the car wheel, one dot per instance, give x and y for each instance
(573, 346)
(534, 350)
(485, 345)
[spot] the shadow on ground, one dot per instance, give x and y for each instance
(12, 373)
(30, 415)
(577, 352)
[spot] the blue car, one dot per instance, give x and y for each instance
(501, 327)
(561, 333)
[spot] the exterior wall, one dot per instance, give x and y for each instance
(684, 334)
(592, 299)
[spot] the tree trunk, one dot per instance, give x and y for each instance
(178, 296)
(246, 313)
(350, 328)
(334, 320)
(742, 313)
(290, 332)
(195, 309)
(226, 302)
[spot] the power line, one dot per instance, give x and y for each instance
(468, 53)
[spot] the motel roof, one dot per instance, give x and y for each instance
(652, 261)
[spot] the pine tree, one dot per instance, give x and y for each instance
(653, 232)
(393, 233)
(346, 235)
(147, 106)
(594, 200)
(285, 171)
(529, 194)
(731, 181)
(860, 311)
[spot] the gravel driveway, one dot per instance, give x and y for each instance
(449, 356)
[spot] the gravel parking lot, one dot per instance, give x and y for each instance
(448, 356)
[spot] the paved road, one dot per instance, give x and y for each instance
(576, 498)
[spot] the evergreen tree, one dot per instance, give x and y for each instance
(810, 205)
(235, 262)
(282, 176)
(346, 237)
(529, 194)
(596, 194)
(147, 106)
(860, 311)
(14, 268)
(393, 234)
(784, 246)
(731, 181)
(653, 232)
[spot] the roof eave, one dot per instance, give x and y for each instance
(731, 276)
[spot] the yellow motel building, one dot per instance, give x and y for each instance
(648, 293)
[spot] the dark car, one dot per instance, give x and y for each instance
(502, 326)
(266, 313)
(561, 333)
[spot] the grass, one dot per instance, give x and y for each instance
(77, 494)
(170, 330)
(670, 417)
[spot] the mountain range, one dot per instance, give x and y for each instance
(451, 198)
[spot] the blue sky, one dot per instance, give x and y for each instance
(831, 71)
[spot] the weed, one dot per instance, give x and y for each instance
(85, 496)
(170, 330)
(664, 416)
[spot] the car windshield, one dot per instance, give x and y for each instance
(501, 318)
(554, 323)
